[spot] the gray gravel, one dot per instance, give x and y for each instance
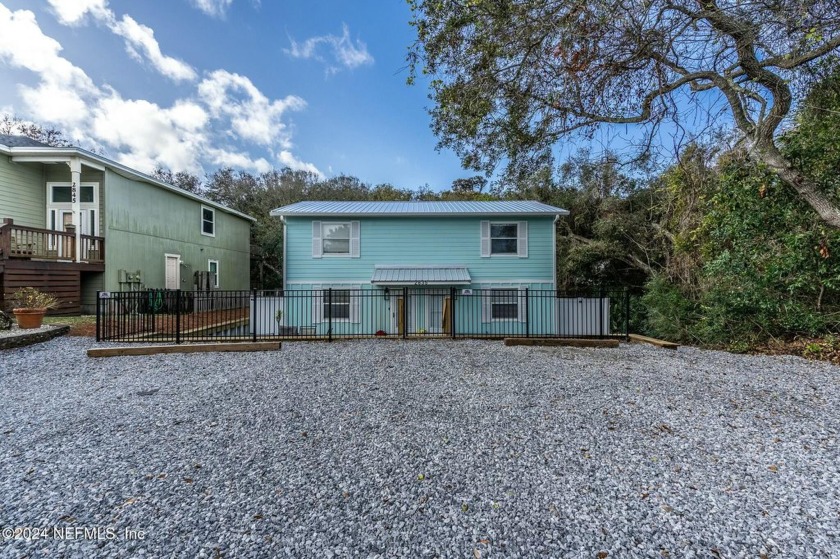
(421, 449)
(15, 331)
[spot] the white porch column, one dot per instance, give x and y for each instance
(76, 181)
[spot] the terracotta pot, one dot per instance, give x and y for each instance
(29, 318)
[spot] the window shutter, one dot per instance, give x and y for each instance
(486, 296)
(522, 303)
(485, 239)
(317, 247)
(317, 304)
(355, 234)
(355, 297)
(522, 240)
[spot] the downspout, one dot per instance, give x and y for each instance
(554, 253)
(283, 221)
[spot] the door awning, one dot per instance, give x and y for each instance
(420, 275)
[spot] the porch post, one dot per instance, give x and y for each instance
(75, 190)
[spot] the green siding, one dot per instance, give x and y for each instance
(23, 192)
(419, 241)
(145, 222)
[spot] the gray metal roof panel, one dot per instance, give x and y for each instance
(418, 208)
(16, 141)
(427, 275)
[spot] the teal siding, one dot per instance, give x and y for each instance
(374, 311)
(145, 222)
(419, 241)
(23, 194)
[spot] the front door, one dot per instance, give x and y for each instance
(60, 207)
(173, 271)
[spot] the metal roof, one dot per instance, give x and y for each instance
(515, 207)
(420, 275)
(15, 141)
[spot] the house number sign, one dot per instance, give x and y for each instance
(73, 193)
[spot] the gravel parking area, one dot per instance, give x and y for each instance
(420, 449)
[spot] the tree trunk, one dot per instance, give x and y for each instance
(806, 188)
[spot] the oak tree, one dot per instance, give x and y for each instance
(510, 78)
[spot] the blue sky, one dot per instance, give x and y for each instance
(199, 84)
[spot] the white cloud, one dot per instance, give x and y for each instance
(288, 160)
(73, 12)
(140, 42)
(23, 45)
(139, 39)
(229, 158)
(225, 109)
(148, 135)
(344, 51)
(252, 115)
(213, 8)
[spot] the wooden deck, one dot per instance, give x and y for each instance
(62, 279)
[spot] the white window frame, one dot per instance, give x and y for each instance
(92, 208)
(201, 224)
(216, 262)
(320, 300)
(515, 295)
(486, 228)
(349, 305)
(349, 252)
(515, 253)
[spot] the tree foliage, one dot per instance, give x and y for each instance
(511, 79)
(16, 126)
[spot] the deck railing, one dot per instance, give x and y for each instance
(32, 243)
(329, 314)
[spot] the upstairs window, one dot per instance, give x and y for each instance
(503, 238)
(336, 238)
(500, 238)
(208, 221)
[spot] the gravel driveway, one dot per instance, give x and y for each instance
(420, 449)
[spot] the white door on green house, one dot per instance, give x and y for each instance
(173, 271)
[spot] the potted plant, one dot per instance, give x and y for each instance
(30, 305)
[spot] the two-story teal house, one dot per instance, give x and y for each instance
(73, 223)
(368, 257)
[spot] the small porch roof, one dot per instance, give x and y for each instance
(420, 275)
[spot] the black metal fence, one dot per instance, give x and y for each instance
(328, 314)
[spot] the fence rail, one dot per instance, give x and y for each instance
(330, 314)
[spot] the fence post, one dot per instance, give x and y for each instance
(98, 316)
(626, 314)
(600, 312)
(254, 315)
(177, 316)
(405, 313)
(329, 314)
(527, 316)
(452, 311)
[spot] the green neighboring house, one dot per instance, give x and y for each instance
(74, 223)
